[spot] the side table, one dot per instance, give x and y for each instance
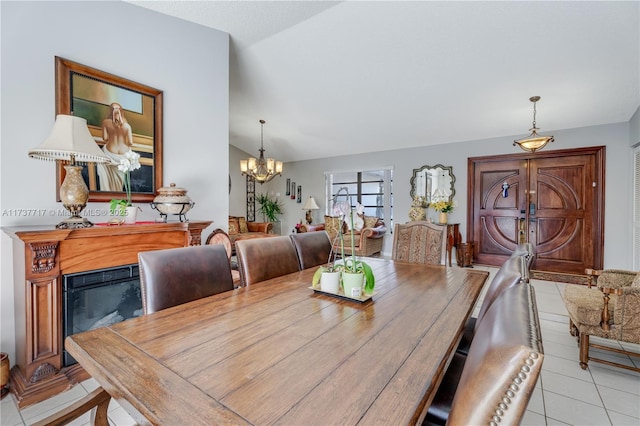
(453, 238)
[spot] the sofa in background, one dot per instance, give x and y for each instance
(368, 240)
(240, 229)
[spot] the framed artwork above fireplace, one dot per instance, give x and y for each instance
(121, 115)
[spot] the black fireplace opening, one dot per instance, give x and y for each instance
(99, 298)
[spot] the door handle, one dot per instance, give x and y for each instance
(532, 209)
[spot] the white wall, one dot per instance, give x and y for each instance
(617, 250)
(188, 62)
(634, 129)
(238, 195)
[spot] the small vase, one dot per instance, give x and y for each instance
(417, 213)
(352, 284)
(130, 214)
(330, 282)
(443, 218)
(4, 374)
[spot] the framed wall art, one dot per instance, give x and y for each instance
(293, 190)
(121, 115)
(288, 189)
(299, 200)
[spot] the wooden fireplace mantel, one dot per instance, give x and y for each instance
(41, 256)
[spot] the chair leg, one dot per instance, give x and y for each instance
(584, 350)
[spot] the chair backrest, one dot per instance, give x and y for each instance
(172, 277)
(313, 248)
(503, 364)
(261, 259)
(512, 272)
(219, 236)
(420, 242)
(526, 249)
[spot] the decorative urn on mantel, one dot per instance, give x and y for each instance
(172, 200)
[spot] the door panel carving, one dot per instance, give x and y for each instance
(552, 199)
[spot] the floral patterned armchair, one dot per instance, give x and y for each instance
(611, 310)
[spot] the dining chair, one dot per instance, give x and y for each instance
(494, 382)
(261, 259)
(97, 401)
(219, 236)
(313, 248)
(513, 271)
(420, 242)
(175, 276)
(608, 308)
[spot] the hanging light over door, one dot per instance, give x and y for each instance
(533, 142)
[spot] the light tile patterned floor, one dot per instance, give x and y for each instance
(564, 395)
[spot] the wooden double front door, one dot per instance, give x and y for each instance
(554, 200)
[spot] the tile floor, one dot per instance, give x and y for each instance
(564, 395)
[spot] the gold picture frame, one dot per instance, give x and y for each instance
(93, 94)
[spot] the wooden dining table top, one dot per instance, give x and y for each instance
(280, 352)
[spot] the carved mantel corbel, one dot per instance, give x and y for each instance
(43, 256)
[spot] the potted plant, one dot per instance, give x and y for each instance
(129, 163)
(443, 206)
(270, 207)
(357, 276)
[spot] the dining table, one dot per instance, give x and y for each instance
(283, 352)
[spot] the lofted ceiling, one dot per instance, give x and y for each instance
(349, 77)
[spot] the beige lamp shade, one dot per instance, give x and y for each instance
(311, 204)
(70, 140)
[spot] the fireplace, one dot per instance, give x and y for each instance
(43, 257)
(99, 298)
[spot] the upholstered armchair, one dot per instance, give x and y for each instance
(240, 229)
(368, 240)
(610, 310)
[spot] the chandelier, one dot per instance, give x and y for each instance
(261, 170)
(533, 142)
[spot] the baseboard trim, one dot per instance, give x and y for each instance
(560, 277)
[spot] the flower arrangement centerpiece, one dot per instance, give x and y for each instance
(129, 163)
(349, 265)
(443, 206)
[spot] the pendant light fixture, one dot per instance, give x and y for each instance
(533, 142)
(261, 170)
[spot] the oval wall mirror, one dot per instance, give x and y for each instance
(433, 182)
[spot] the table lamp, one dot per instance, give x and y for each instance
(70, 141)
(309, 206)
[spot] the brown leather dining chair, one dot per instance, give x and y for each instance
(175, 276)
(219, 236)
(420, 242)
(494, 382)
(261, 259)
(513, 271)
(313, 248)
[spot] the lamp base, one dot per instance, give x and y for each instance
(75, 222)
(309, 217)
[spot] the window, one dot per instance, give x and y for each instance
(371, 188)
